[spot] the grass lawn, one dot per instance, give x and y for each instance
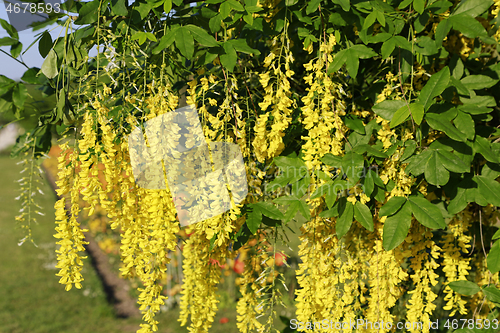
(32, 300)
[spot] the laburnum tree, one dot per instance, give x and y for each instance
(375, 122)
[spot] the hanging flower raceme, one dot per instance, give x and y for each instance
(277, 96)
(72, 239)
(323, 106)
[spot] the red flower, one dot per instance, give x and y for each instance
(280, 259)
(215, 261)
(239, 266)
(224, 320)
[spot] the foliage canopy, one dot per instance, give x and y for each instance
(380, 117)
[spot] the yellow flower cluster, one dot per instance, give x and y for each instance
(455, 266)
(201, 276)
(322, 109)
(391, 89)
(384, 275)
(277, 95)
(393, 169)
(72, 239)
(424, 255)
(318, 275)
(248, 307)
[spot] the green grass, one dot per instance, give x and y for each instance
(32, 300)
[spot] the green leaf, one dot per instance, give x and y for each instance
(304, 210)
(400, 116)
(426, 46)
(492, 294)
(225, 9)
(472, 8)
(417, 111)
(442, 31)
(7, 41)
(363, 52)
(269, 210)
(437, 123)
(477, 82)
(352, 63)
(332, 160)
(19, 94)
(434, 87)
(166, 40)
(215, 23)
(324, 189)
(386, 109)
(410, 146)
(230, 57)
(482, 145)
(392, 206)
(345, 4)
(369, 20)
(459, 202)
(87, 14)
(142, 10)
(360, 149)
(490, 170)
(493, 259)
(368, 183)
(468, 26)
(363, 215)
(355, 123)
(465, 124)
(435, 173)
(352, 165)
(464, 287)
(45, 44)
(380, 17)
(452, 162)
(184, 42)
(387, 48)
(419, 6)
(140, 36)
(338, 61)
(119, 8)
(254, 218)
(426, 213)
(396, 228)
(30, 76)
(167, 6)
(404, 4)
(291, 211)
(380, 37)
(10, 29)
(235, 5)
(241, 45)
(478, 101)
(202, 36)
(489, 188)
(416, 163)
(496, 235)
(16, 49)
(248, 18)
(49, 66)
(312, 6)
(474, 110)
(344, 221)
(402, 43)
(150, 36)
(461, 88)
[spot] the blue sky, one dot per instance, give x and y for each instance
(32, 58)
